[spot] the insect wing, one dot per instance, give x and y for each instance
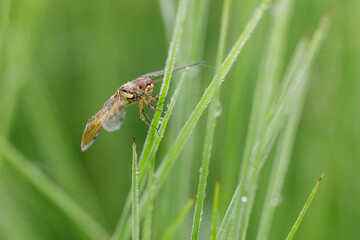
(115, 122)
(92, 130)
(115, 115)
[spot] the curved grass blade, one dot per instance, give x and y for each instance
(148, 145)
(55, 194)
(170, 158)
(274, 120)
(282, 157)
(303, 211)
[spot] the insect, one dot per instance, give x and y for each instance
(112, 114)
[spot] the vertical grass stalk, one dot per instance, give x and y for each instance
(273, 120)
(135, 196)
(171, 156)
(210, 127)
(148, 145)
(283, 153)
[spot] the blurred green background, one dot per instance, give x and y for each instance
(61, 60)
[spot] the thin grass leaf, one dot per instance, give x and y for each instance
(55, 194)
(303, 211)
(135, 197)
(149, 212)
(215, 210)
(176, 38)
(228, 218)
(269, 76)
(127, 227)
(225, 228)
(283, 153)
(172, 154)
(185, 132)
(274, 119)
(150, 139)
(210, 126)
(173, 227)
(150, 184)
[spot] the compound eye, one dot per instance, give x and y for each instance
(142, 84)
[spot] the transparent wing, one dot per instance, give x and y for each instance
(115, 113)
(115, 122)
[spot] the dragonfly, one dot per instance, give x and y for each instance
(112, 114)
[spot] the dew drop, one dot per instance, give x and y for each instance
(244, 199)
(276, 201)
(218, 108)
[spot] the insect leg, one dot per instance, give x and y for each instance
(152, 107)
(142, 113)
(156, 98)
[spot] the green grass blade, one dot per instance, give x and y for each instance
(215, 210)
(228, 218)
(303, 211)
(210, 127)
(274, 119)
(61, 199)
(149, 211)
(135, 196)
(226, 223)
(147, 224)
(172, 154)
(171, 230)
(126, 210)
(175, 43)
(283, 153)
(155, 147)
(269, 76)
(150, 139)
(185, 132)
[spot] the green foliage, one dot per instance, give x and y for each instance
(283, 117)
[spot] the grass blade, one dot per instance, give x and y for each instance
(303, 211)
(149, 148)
(185, 132)
(60, 198)
(147, 227)
(178, 220)
(273, 120)
(210, 127)
(215, 210)
(172, 154)
(135, 196)
(283, 153)
(269, 76)
(226, 223)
